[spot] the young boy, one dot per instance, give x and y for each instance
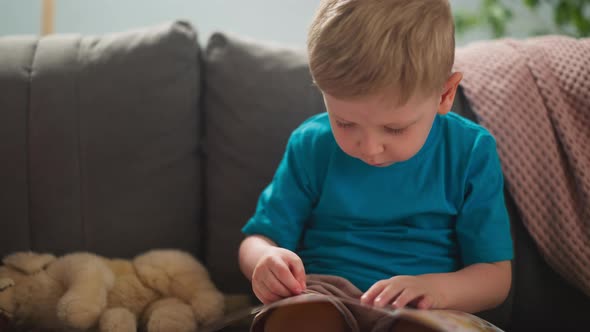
(387, 190)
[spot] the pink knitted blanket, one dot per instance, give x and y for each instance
(534, 96)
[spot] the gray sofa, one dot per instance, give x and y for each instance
(143, 139)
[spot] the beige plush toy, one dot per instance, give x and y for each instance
(161, 290)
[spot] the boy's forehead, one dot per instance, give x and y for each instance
(376, 109)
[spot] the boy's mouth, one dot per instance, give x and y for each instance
(380, 164)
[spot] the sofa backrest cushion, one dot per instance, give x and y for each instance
(255, 94)
(101, 135)
(15, 61)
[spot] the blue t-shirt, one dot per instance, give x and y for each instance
(439, 211)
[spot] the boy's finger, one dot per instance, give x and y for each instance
(288, 281)
(264, 294)
(405, 297)
(387, 295)
(371, 294)
(298, 272)
(277, 285)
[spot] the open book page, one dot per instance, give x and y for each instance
(407, 319)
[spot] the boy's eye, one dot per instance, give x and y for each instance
(344, 124)
(395, 131)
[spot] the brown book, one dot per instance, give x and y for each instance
(406, 319)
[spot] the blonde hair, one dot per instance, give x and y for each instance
(365, 47)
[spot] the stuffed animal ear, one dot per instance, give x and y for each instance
(5, 283)
(28, 262)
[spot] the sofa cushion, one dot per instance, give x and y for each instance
(15, 62)
(256, 93)
(109, 129)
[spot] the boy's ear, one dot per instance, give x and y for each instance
(448, 95)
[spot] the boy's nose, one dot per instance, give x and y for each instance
(370, 147)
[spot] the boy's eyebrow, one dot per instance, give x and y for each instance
(340, 118)
(398, 125)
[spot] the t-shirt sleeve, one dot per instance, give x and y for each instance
(286, 203)
(483, 225)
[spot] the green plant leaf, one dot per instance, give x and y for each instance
(532, 4)
(570, 16)
(581, 23)
(497, 15)
(465, 21)
(562, 13)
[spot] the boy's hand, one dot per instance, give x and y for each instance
(278, 274)
(400, 291)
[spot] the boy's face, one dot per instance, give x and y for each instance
(380, 133)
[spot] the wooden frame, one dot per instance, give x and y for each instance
(47, 17)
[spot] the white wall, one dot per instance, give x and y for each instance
(20, 16)
(285, 21)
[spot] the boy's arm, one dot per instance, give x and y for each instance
(474, 288)
(251, 250)
(266, 256)
(275, 272)
(483, 234)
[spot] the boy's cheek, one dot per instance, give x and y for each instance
(345, 142)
